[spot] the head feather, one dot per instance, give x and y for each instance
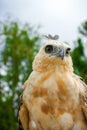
(55, 37)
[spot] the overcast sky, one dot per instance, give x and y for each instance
(56, 16)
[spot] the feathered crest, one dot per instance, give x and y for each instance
(55, 37)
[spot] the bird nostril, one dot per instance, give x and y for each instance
(68, 50)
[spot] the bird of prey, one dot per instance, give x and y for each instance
(54, 98)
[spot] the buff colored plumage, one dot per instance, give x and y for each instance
(54, 98)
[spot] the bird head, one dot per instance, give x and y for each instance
(53, 54)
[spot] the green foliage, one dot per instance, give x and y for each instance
(83, 29)
(20, 45)
(78, 54)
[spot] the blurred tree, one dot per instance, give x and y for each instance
(78, 54)
(20, 45)
(83, 29)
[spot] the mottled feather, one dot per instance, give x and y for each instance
(54, 98)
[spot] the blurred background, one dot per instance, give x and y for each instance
(22, 24)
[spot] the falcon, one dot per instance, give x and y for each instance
(54, 97)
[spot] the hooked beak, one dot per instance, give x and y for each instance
(61, 51)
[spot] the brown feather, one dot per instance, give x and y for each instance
(54, 98)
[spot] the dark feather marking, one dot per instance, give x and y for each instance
(20, 104)
(20, 125)
(82, 79)
(19, 122)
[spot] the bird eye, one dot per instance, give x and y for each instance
(48, 48)
(68, 50)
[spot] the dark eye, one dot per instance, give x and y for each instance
(68, 50)
(48, 48)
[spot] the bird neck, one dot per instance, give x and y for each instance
(39, 66)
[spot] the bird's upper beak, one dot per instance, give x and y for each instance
(61, 51)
